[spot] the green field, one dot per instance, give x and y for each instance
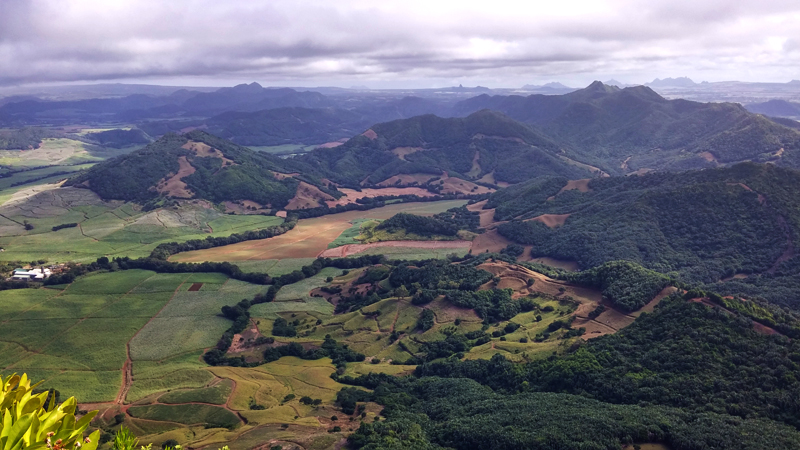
(105, 228)
(213, 416)
(217, 394)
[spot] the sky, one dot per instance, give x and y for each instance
(396, 44)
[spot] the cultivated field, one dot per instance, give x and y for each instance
(310, 236)
(104, 228)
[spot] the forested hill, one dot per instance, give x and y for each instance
(625, 130)
(198, 165)
(486, 146)
(701, 225)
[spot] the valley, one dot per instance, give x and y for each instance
(265, 268)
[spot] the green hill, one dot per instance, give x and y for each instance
(702, 225)
(484, 143)
(625, 130)
(196, 165)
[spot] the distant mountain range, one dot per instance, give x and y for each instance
(635, 129)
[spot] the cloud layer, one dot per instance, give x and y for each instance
(392, 43)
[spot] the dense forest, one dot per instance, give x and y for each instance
(697, 226)
(689, 376)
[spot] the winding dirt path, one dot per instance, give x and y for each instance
(127, 367)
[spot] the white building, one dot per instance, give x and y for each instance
(32, 274)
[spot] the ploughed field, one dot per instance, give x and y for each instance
(310, 237)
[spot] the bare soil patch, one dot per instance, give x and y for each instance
(581, 185)
(708, 156)
(353, 249)
(195, 287)
(490, 241)
(405, 179)
(333, 144)
(651, 305)
(370, 134)
(475, 170)
(401, 152)
(206, 151)
(308, 196)
(283, 176)
(488, 178)
(458, 186)
(174, 185)
(351, 195)
(551, 220)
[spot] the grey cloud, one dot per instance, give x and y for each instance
(280, 41)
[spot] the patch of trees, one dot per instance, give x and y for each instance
(626, 285)
(23, 139)
(426, 320)
(439, 275)
(420, 225)
(493, 305)
(461, 218)
(65, 225)
(282, 327)
(164, 251)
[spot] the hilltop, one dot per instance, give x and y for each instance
(486, 147)
(636, 130)
(199, 165)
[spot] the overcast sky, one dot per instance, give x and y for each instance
(409, 43)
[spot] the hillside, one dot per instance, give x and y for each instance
(285, 126)
(485, 146)
(775, 108)
(635, 129)
(700, 226)
(198, 165)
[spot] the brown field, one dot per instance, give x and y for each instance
(351, 196)
(352, 249)
(459, 186)
(205, 151)
(370, 134)
(708, 156)
(551, 220)
(333, 144)
(581, 185)
(406, 179)
(401, 152)
(174, 186)
(283, 176)
(488, 178)
(490, 241)
(308, 196)
(309, 238)
(195, 287)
